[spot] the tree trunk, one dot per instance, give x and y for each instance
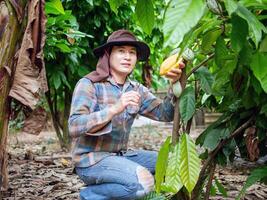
(59, 119)
(10, 36)
(66, 113)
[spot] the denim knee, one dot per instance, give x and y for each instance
(146, 180)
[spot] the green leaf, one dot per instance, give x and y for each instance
(256, 27)
(187, 104)
(214, 136)
(259, 68)
(209, 38)
(63, 47)
(189, 163)
(154, 196)
(230, 6)
(201, 138)
(255, 176)
(221, 52)
(173, 181)
(91, 2)
(239, 33)
(54, 7)
(56, 80)
(206, 79)
(115, 4)
(82, 71)
(64, 79)
(264, 110)
(145, 14)
(180, 17)
(212, 190)
(203, 26)
(255, 4)
(263, 45)
(161, 164)
(220, 188)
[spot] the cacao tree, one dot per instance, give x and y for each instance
(63, 50)
(228, 75)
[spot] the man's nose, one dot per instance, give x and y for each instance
(127, 55)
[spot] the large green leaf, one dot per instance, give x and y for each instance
(189, 162)
(180, 17)
(115, 4)
(259, 68)
(221, 52)
(204, 25)
(206, 79)
(161, 164)
(214, 136)
(145, 14)
(209, 38)
(187, 103)
(255, 176)
(54, 7)
(239, 33)
(173, 181)
(256, 27)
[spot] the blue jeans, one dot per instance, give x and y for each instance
(128, 176)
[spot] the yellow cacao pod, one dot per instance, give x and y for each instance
(169, 63)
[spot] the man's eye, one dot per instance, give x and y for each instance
(121, 50)
(133, 52)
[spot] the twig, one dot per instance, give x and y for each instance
(200, 64)
(209, 184)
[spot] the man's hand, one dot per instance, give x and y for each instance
(175, 74)
(127, 98)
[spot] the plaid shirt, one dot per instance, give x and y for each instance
(90, 104)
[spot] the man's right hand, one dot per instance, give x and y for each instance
(128, 98)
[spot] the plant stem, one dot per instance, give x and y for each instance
(177, 117)
(200, 64)
(209, 184)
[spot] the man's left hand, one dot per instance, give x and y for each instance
(175, 74)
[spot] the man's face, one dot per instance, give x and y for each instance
(122, 59)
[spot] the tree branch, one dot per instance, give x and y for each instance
(209, 184)
(200, 64)
(214, 153)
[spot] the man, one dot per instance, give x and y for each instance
(104, 106)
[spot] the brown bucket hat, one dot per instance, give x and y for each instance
(124, 37)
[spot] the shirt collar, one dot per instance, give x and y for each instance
(128, 82)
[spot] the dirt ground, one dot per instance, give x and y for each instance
(39, 170)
